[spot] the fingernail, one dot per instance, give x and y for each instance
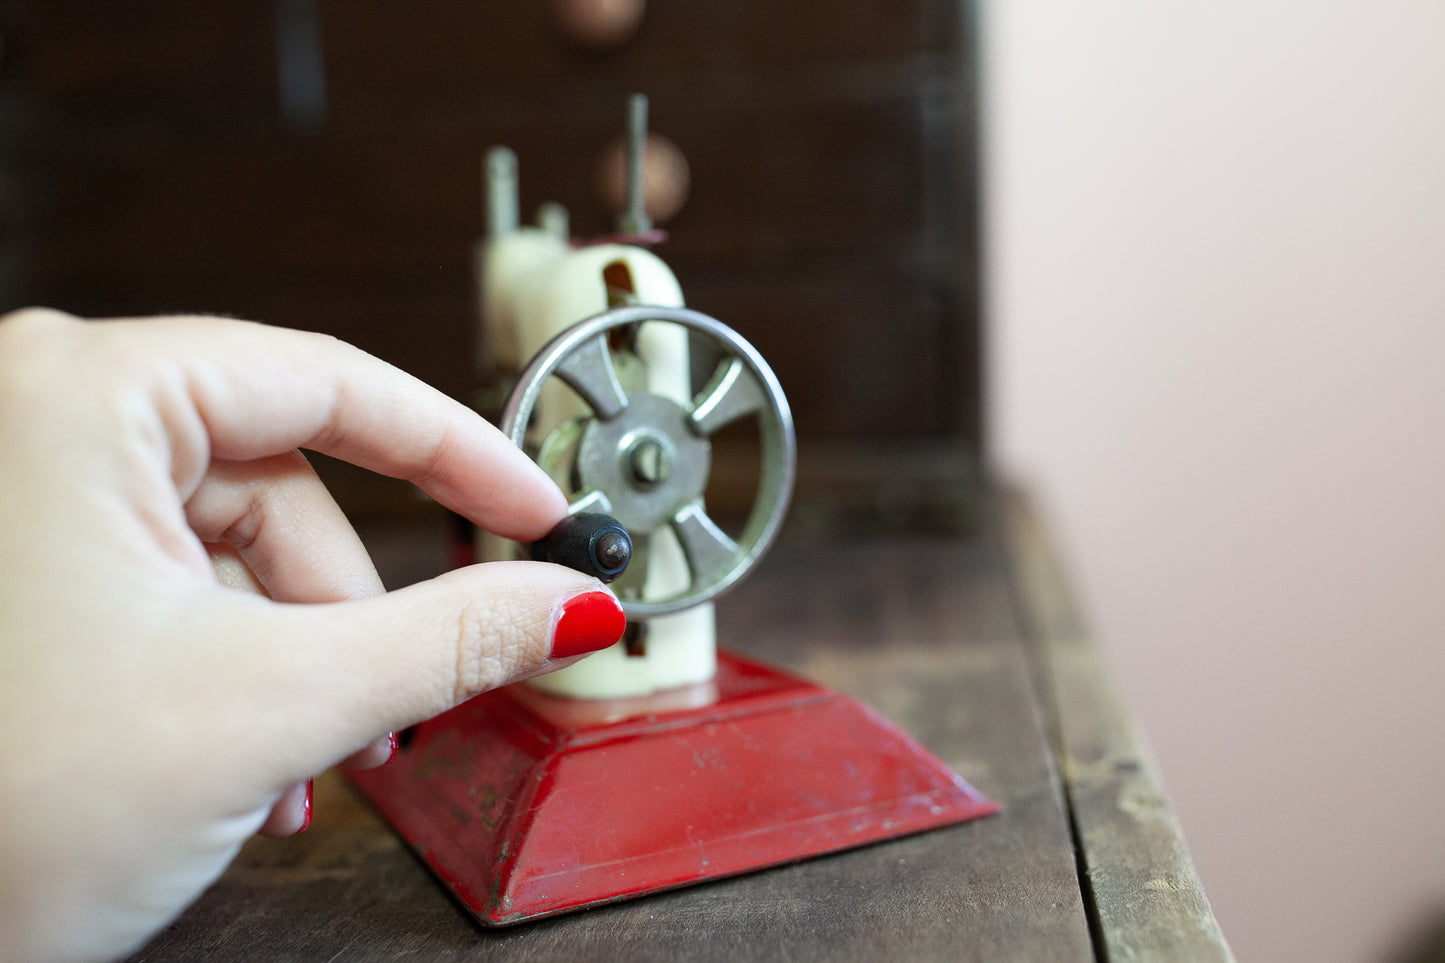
(391, 741)
(306, 808)
(587, 623)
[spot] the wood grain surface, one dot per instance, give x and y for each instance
(148, 164)
(1144, 898)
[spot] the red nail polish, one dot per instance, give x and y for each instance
(587, 623)
(390, 741)
(306, 808)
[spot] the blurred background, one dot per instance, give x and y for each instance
(318, 164)
(1174, 269)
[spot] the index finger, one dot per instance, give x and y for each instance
(257, 391)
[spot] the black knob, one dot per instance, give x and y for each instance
(591, 542)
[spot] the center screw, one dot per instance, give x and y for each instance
(651, 462)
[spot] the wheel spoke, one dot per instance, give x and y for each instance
(588, 370)
(732, 393)
(592, 500)
(710, 553)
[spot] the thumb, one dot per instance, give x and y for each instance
(384, 663)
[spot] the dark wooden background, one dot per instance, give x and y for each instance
(172, 156)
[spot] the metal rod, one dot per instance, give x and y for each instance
(500, 176)
(634, 219)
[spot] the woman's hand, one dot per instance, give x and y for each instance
(156, 716)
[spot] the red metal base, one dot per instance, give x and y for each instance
(528, 805)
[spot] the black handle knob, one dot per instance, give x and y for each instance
(591, 542)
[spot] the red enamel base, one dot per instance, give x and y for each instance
(528, 805)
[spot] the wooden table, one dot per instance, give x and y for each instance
(969, 643)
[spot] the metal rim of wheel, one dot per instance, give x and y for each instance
(644, 458)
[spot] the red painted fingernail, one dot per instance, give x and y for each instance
(391, 741)
(306, 808)
(587, 623)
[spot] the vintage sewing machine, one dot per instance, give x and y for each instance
(662, 761)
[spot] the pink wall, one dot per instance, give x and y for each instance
(1217, 340)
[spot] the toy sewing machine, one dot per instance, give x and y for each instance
(659, 762)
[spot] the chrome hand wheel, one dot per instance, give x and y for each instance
(644, 458)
